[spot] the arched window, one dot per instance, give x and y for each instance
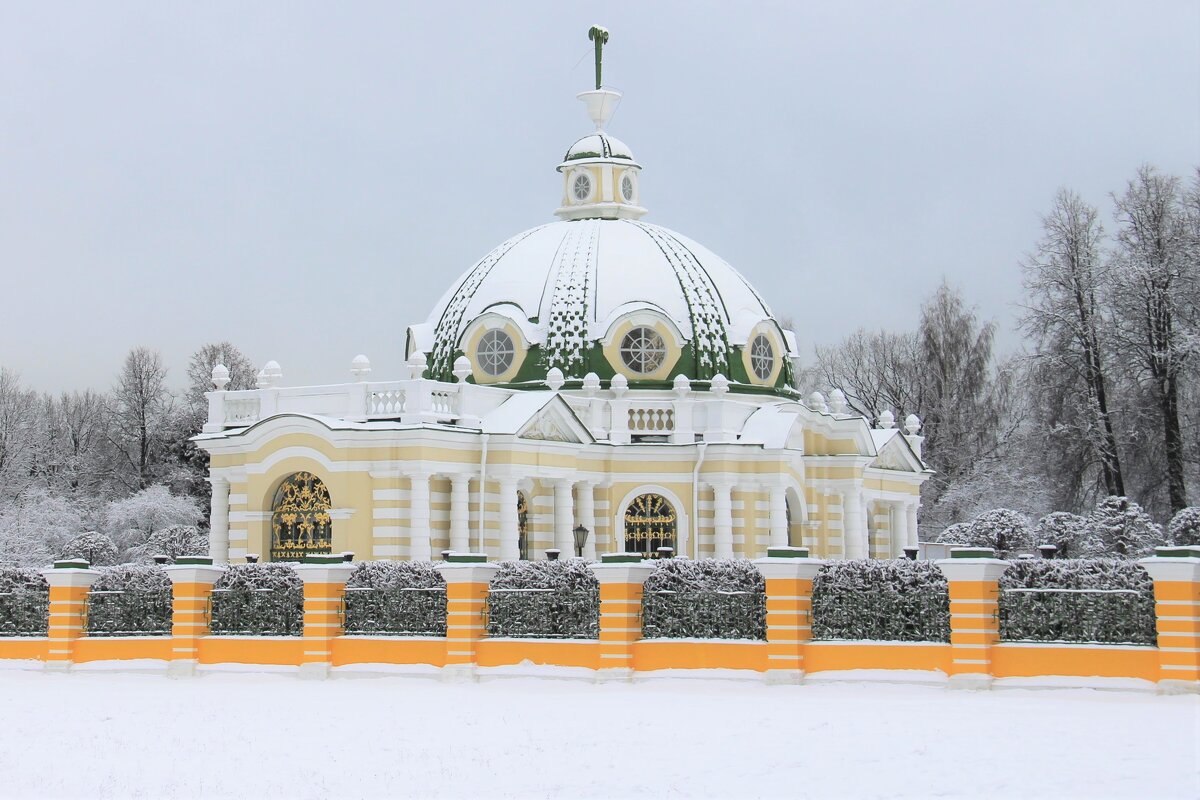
(300, 521)
(649, 525)
(523, 526)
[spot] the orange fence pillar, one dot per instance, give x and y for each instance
(974, 577)
(789, 574)
(324, 578)
(69, 581)
(621, 576)
(1176, 575)
(467, 576)
(192, 579)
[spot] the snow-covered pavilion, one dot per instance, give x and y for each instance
(597, 373)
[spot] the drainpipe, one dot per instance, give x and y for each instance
(696, 502)
(482, 491)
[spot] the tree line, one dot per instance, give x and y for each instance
(1103, 398)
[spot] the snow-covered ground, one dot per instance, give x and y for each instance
(109, 735)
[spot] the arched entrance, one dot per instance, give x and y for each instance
(650, 523)
(300, 520)
(522, 526)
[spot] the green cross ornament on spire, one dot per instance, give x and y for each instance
(600, 37)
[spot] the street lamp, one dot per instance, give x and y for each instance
(581, 534)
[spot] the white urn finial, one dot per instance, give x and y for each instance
(220, 377)
(274, 373)
(591, 383)
(719, 384)
(912, 424)
(416, 365)
(360, 367)
(619, 384)
(681, 385)
(837, 401)
(263, 381)
(887, 420)
(555, 379)
(816, 401)
(462, 368)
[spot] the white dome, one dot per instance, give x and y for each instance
(566, 283)
(598, 145)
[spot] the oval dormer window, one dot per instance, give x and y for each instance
(627, 187)
(643, 350)
(762, 357)
(581, 187)
(495, 352)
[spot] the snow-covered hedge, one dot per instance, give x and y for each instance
(1001, 529)
(1120, 528)
(706, 599)
(130, 600)
(24, 603)
(550, 599)
(92, 546)
(1067, 532)
(1184, 528)
(896, 601)
(1107, 600)
(258, 600)
(396, 598)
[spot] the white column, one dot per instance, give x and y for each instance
(218, 521)
(722, 520)
(854, 523)
(419, 545)
(587, 517)
(510, 549)
(910, 513)
(779, 521)
(899, 529)
(564, 518)
(460, 513)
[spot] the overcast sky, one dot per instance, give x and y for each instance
(305, 180)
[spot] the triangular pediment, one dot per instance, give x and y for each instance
(895, 454)
(555, 422)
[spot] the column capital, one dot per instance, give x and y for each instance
(216, 480)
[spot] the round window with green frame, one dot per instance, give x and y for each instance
(643, 350)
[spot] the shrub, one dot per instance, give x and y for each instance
(96, 548)
(1107, 600)
(258, 600)
(1067, 532)
(130, 599)
(897, 600)
(706, 599)
(396, 597)
(1120, 528)
(24, 603)
(558, 599)
(1184, 528)
(174, 541)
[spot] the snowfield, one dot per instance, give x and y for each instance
(113, 735)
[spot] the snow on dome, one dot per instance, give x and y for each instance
(565, 285)
(598, 145)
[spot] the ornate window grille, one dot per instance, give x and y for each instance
(300, 520)
(762, 357)
(649, 524)
(496, 352)
(643, 350)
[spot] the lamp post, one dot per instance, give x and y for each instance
(581, 534)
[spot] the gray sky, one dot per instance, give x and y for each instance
(305, 180)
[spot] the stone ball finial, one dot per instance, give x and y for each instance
(887, 420)
(416, 365)
(274, 373)
(682, 385)
(912, 424)
(619, 384)
(837, 401)
(719, 384)
(555, 379)
(462, 368)
(220, 377)
(816, 401)
(264, 380)
(360, 367)
(591, 383)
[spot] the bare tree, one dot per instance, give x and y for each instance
(1063, 279)
(242, 373)
(876, 371)
(18, 433)
(1153, 290)
(139, 412)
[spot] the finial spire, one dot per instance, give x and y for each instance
(600, 37)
